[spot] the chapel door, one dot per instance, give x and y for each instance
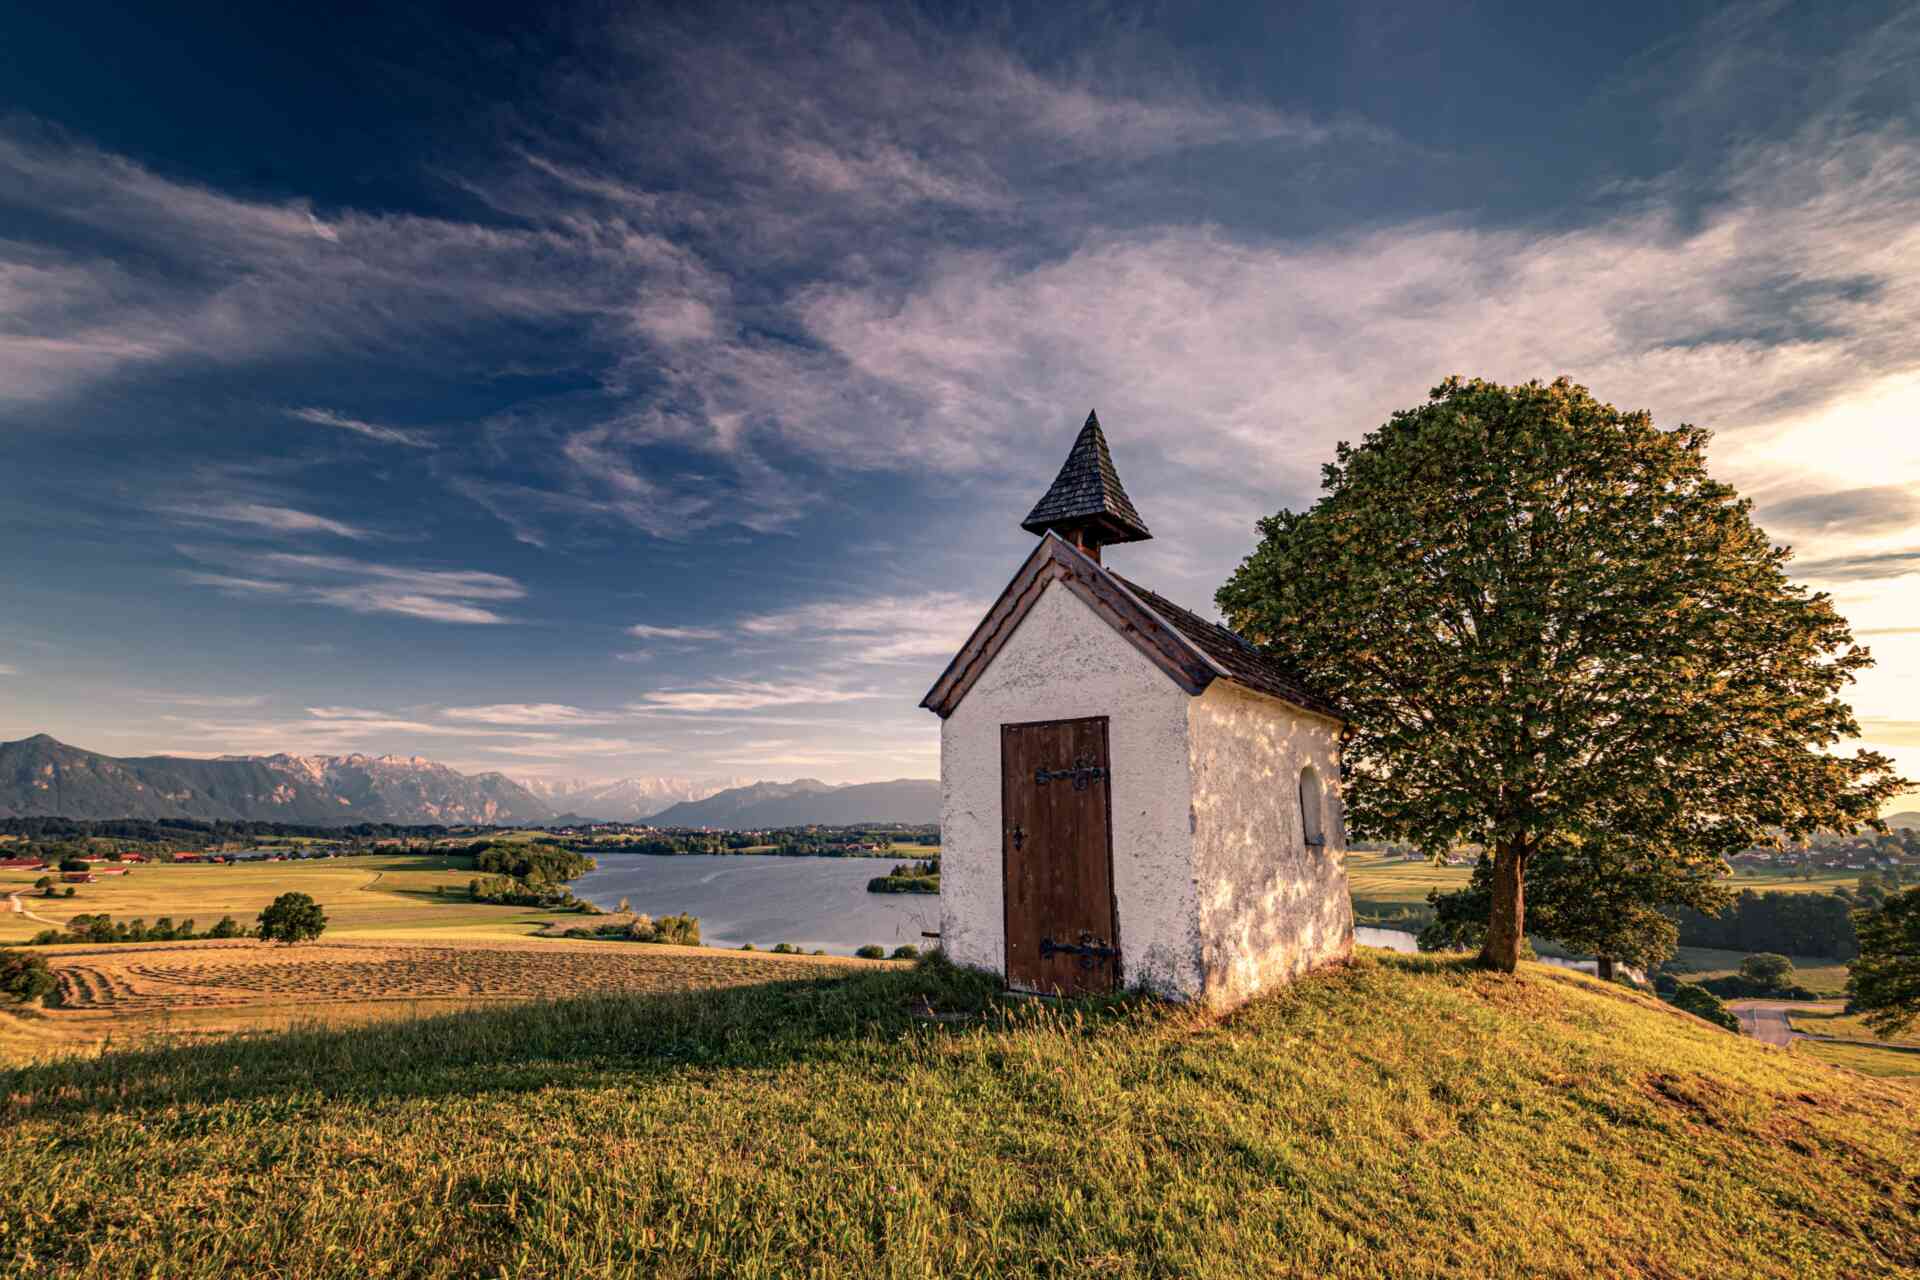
(1057, 857)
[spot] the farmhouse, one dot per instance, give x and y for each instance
(1131, 795)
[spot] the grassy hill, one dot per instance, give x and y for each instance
(1404, 1116)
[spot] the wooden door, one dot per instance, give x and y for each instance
(1057, 857)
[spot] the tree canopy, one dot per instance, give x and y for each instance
(1884, 979)
(1548, 627)
(292, 917)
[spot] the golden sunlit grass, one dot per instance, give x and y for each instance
(1404, 1116)
(129, 993)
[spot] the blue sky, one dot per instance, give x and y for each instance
(620, 390)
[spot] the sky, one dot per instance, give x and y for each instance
(607, 390)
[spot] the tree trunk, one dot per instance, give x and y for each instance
(1507, 924)
(1603, 966)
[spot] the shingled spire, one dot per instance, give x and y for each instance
(1087, 505)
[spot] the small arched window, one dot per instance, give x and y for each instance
(1313, 808)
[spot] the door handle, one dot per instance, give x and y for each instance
(1019, 837)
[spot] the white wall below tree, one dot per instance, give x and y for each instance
(1271, 906)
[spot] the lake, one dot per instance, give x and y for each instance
(814, 903)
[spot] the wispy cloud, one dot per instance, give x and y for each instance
(746, 695)
(371, 430)
(880, 629)
(529, 713)
(436, 595)
(275, 519)
(650, 631)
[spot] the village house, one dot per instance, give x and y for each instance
(1131, 795)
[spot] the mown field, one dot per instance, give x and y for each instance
(1403, 1116)
(128, 994)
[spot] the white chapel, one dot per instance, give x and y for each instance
(1131, 796)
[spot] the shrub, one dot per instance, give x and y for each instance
(1767, 970)
(44, 882)
(69, 892)
(747, 946)
(785, 949)
(641, 928)
(292, 917)
(872, 951)
(1702, 1003)
(24, 977)
(227, 928)
(73, 864)
(681, 930)
(906, 951)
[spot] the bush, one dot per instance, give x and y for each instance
(747, 946)
(906, 952)
(25, 977)
(44, 882)
(1702, 1003)
(1767, 970)
(69, 892)
(785, 949)
(74, 864)
(681, 930)
(227, 928)
(872, 952)
(292, 917)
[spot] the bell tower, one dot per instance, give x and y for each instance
(1087, 506)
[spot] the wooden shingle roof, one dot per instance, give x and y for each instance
(1087, 494)
(1190, 650)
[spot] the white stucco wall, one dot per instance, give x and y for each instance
(1063, 662)
(1270, 906)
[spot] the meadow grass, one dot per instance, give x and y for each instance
(370, 894)
(1833, 1020)
(1868, 1059)
(1390, 880)
(1401, 1116)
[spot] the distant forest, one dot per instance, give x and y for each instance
(198, 831)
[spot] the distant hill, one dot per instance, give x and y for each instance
(1908, 821)
(807, 801)
(42, 777)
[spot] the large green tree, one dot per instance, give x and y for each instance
(1608, 898)
(1548, 624)
(1883, 981)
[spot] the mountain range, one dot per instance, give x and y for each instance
(43, 777)
(806, 801)
(623, 799)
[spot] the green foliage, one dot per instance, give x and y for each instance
(1883, 982)
(1801, 924)
(872, 951)
(292, 917)
(75, 864)
(44, 882)
(1702, 1003)
(785, 949)
(1767, 969)
(1548, 626)
(24, 976)
(906, 951)
(681, 930)
(541, 864)
(228, 927)
(908, 877)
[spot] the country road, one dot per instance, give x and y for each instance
(1766, 1020)
(20, 909)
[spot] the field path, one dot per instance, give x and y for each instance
(1765, 1020)
(20, 909)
